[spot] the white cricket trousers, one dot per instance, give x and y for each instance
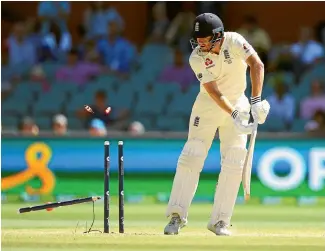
(206, 118)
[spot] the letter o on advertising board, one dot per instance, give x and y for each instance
(266, 174)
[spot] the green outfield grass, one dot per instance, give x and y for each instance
(255, 227)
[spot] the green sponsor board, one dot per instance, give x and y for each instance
(281, 167)
(149, 184)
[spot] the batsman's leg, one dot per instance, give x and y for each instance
(233, 152)
(190, 163)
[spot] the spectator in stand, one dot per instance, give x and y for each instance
(60, 124)
(56, 44)
(113, 15)
(79, 72)
(180, 30)
(314, 102)
(178, 72)
(33, 33)
(89, 52)
(87, 48)
(282, 104)
(97, 18)
(95, 21)
(256, 36)
(99, 108)
(54, 11)
(21, 50)
(28, 127)
(317, 124)
(115, 119)
(136, 128)
(280, 59)
(117, 52)
(160, 23)
(306, 51)
(97, 128)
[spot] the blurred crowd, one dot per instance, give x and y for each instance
(102, 50)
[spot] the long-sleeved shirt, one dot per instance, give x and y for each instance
(79, 73)
(182, 75)
(21, 53)
(310, 105)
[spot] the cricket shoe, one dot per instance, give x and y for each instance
(221, 228)
(174, 225)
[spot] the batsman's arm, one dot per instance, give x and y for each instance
(223, 102)
(256, 74)
(259, 109)
(247, 53)
(208, 80)
(216, 95)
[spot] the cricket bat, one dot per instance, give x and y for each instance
(248, 164)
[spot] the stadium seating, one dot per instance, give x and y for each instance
(50, 68)
(298, 125)
(123, 97)
(76, 124)
(286, 77)
(147, 121)
(158, 105)
(14, 106)
(43, 122)
(168, 123)
(182, 103)
(10, 121)
(274, 124)
(64, 88)
(150, 104)
(77, 102)
(170, 90)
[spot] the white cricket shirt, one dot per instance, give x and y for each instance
(228, 68)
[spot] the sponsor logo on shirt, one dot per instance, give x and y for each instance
(208, 63)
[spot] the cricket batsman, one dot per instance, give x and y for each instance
(219, 60)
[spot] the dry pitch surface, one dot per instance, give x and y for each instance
(262, 228)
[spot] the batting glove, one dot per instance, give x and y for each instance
(241, 122)
(260, 109)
